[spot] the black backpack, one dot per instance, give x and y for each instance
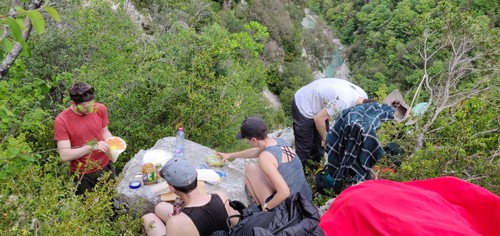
(295, 216)
(250, 218)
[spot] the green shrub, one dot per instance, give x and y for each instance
(40, 200)
(472, 125)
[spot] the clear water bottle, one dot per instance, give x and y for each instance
(179, 142)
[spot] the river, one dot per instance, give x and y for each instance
(337, 66)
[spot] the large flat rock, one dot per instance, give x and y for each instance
(145, 198)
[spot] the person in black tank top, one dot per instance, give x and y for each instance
(194, 212)
(208, 218)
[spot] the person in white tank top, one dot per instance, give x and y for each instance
(313, 105)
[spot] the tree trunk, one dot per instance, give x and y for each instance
(16, 50)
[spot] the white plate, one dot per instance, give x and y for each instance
(114, 153)
(208, 175)
(156, 156)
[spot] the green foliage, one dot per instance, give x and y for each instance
(473, 125)
(211, 84)
(39, 200)
(23, 125)
(247, 43)
(285, 84)
(206, 72)
(165, 14)
(16, 27)
(15, 157)
(381, 35)
(274, 15)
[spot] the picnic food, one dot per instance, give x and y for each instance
(215, 160)
(156, 156)
(116, 146)
(149, 173)
(115, 143)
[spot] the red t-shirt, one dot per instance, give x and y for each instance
(79, 130)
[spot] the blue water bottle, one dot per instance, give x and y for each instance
(179, 142)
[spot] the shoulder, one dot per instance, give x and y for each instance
(62, 116)
(222, 195)
(63, 113)
(180, 225)
(282, 142)
(101, 108)
(266, 159)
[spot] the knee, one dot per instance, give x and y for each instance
(161, 207)
(149, 218)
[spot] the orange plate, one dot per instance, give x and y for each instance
(116, 143)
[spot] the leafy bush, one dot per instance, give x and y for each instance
(207, 74)
(39, 200)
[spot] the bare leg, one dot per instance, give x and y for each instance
(257, 183)
(154, 223)
(163, 210)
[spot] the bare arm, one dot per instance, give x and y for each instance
(320, 122)
(248, 153)
(269, 166)
(69, 153)
(106, 133)
(230, 211)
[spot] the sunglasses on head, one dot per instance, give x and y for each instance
(85, 93)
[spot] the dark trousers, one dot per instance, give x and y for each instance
(89, 181)
(307, 138)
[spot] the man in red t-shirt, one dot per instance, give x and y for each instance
(80, 131)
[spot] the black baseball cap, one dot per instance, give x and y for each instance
(252, 127)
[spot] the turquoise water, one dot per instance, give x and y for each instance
(336, 61)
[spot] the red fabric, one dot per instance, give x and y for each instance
(79, 130)
(440, 206)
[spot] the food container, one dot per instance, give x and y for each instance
(215, 161)
(134, 184)
(149, 173)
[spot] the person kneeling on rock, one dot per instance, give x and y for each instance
(278, 173)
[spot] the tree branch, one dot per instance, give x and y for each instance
(486, 132)
(17, 48)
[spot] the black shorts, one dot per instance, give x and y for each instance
(89, 181)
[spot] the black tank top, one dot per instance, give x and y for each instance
(210, 217)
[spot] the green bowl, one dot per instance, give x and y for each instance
(215, 161)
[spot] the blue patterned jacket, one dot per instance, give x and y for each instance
(352, 145)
